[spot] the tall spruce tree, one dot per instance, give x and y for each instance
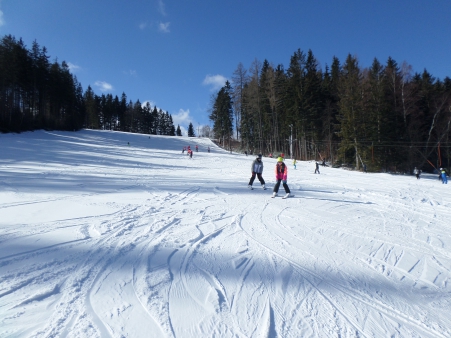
(191, 130)
(222, 115)
(351, 110)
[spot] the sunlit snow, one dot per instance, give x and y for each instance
(108, 234)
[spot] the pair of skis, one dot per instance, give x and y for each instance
(273, 196)
(283, 197)
(252, 188)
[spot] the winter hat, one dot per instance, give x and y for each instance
(259, 155)
(280, 159)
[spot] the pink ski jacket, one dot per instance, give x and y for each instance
(281, 171)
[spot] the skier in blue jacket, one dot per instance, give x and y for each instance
(444, 178)
(257, 169)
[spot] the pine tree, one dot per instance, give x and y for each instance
(351, 110)
(222, 114)
(92, 117)
(171, 126)
(179, 131)
(191, 130)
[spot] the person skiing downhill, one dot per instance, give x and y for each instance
(444, 178)
(417, 172)
(294, 163)
(257, 169)
(317, 168)
(281, 172)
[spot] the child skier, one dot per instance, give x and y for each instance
(444, 178)
(294, 163)
(281, 177)
(317, 168)
(257, 169)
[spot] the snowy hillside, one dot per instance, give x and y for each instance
(101, 238)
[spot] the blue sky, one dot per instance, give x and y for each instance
(176, 54)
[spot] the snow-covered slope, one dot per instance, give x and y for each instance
(101, 238)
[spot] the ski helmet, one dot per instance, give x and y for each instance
(280, 159)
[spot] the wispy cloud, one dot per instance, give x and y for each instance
(182, 118)
(142, 25)
(73, 68)
(103, 86)
(130, 72)
(2, 20)
(161, 7)
(164, 27)
(215, 81)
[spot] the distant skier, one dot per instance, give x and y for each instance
(364, 168)
(281, 172)
(294, 163)
(190, 153)
(245, 152)
(208, 149)
(257, 169)
(444, 178)
(417, 172)
(197, 148)
(317, 168)
(183, 150)
(324, 162)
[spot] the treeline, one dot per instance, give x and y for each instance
(38, 94)
(385, 116)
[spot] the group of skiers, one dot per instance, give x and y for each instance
(281, 173)
(442, 174)
(190, 152)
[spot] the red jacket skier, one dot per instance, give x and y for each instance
(281, 172)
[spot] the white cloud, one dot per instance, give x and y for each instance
(103, 86)
(151, 103)
(130, 72)
(164, 27)
(142, 25)
(73, 68)
(215, 81)
(182, 118)
(161, 7)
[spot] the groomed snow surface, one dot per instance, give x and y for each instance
(101, 238)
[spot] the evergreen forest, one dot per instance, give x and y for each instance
(384, 116)
(38, 94)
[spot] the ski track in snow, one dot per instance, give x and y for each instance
(102, 239)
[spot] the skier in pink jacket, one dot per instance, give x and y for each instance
(281, 172)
